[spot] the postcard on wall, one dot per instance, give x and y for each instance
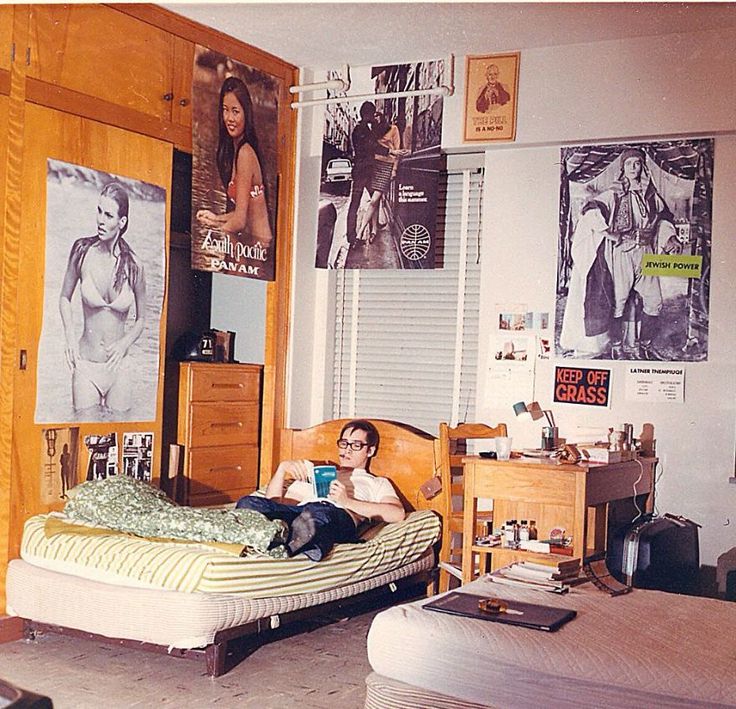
(138, 455)
(510, 368)
(491, 93)
(235, 110)
(59, 461)
(655, 382)
(102, 462)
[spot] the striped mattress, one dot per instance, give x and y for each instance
(116, 558)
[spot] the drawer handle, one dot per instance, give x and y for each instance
(227, 424)
(224, 468)
(217, 385)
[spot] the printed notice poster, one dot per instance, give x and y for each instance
(656, 383)
(491, 88)
(578, 385)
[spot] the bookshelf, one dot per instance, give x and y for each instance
(574, 497)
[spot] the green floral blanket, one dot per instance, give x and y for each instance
(129, 505)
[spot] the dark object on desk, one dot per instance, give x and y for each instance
(488, 454)
(527, 615)
(18, 698)
(659, 553)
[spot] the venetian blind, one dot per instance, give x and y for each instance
(406, 342)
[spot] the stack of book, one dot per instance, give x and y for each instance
(548, 575)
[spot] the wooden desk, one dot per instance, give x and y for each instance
(574, 497)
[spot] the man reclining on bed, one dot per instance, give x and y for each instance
(316, 525)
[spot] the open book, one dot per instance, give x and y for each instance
(322, 476)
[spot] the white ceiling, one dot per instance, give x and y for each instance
(328, 35)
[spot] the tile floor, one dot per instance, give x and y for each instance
(324, 665)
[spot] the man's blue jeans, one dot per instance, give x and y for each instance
(314, 528)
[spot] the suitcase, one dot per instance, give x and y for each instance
(659, 553)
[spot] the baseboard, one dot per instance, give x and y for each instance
(11, 628)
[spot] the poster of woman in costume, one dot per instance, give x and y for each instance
(634, 251)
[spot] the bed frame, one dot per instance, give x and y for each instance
(407, 456)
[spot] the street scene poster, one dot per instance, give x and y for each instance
(380, 171)
(98, 354)
(234, 167)
(634, 251)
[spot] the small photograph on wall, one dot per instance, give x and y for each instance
(98, 355)
(102, 461)
(634, 251)
(59, 463)
(137, 455)
(491, 91)
(380, 171)
(235, 111)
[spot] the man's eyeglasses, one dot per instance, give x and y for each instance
(353, 445)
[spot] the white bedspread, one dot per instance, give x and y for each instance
(644, 649)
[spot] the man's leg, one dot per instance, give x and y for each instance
(318, 528)
(360, 182)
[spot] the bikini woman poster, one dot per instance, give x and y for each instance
(234, 167)
(105, 257)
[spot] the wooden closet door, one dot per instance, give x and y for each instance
(101, 52)
(52, 134)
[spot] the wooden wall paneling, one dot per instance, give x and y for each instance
(278, 293)
(98, 51)
(10, 236)
(181, 103)
(6, 36)
(50, 133)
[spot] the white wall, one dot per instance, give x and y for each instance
(239, 305)
(670, 86)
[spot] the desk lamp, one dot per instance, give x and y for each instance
(535, 412)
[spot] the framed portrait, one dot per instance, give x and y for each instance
(491, 93)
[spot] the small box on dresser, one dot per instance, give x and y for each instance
(219, 429)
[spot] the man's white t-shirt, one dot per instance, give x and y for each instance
(366, 487)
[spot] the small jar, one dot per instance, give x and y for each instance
(524, 531)
(533, 529)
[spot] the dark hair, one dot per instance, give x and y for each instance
(118, 193)
(227, 154)
(127, 266)
(371, 432)
(367, 109)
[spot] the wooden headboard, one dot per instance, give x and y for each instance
(406, 456)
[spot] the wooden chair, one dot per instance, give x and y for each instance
(452, 448)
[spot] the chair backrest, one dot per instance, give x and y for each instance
(452, 442)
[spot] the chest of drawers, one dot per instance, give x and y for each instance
(219, 430)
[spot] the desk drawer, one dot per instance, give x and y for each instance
(225, 383)
(226, 468)
(224, 424)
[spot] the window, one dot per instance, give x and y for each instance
(406, 342)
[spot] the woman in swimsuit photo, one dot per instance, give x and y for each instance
(239, 166)
(111, 281)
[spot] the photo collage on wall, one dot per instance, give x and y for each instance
(380, 171)
(235, 111)
(634, 251)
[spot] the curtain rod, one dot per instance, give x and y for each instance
(443, 90)
(341, 84)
